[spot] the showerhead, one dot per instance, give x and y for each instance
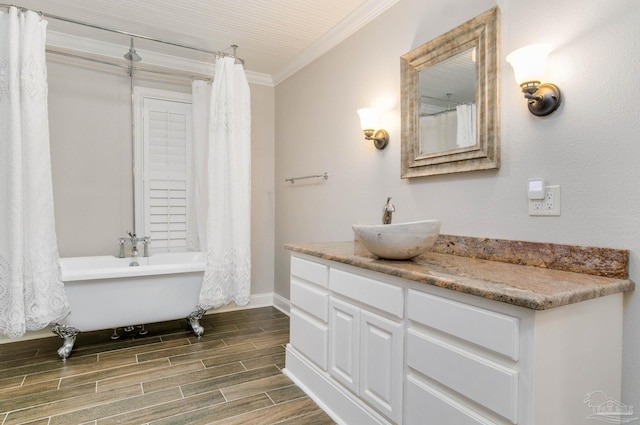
(131, 55)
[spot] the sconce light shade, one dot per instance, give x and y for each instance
(369, 124)
(528, 67)
(529, 62)
(368, 118)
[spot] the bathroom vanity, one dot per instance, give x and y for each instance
(473, 332)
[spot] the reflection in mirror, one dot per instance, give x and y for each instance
(450, 101)
(447, 104)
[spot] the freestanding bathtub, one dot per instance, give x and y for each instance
(107, 292)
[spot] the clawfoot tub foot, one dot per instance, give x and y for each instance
(194, 321)
(68, 334)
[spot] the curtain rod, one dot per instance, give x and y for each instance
(130, 34)
(128, 67)
(444, 111)
(441, 100)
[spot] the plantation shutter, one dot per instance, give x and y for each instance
(167, 130)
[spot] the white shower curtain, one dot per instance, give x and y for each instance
(227, 275)
(466, 125)
(438, 132)
(31, 291)
(198, 154)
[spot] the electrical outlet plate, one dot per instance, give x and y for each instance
(550, 205)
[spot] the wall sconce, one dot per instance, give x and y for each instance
(528, 65)
(369, 124)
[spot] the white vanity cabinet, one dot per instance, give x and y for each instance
(366, 347)
(371, 348)
(460, 356)
(309, 310)
(344, 344)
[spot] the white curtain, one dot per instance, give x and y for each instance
(438, 132)
(31, 290)
(227, 275)
(198, 155)
(466, 126)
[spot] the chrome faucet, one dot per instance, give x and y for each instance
(122, 241)
(134, 240)
(134, 243)
(146, 241)
(387, 211)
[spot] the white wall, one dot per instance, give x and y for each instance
(590, 146)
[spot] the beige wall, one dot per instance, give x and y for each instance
(90, 138)
(590, 146)
(89, 114)
(262, 190)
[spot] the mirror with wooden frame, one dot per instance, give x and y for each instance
(450, 101)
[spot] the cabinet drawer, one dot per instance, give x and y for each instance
(310, 298)
(310, 337)
(488, 383)
(495, 331)
(425, 405)
(310, 271)
(383, 296)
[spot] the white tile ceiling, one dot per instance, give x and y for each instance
(275, 37)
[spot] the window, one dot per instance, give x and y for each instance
(164, 131)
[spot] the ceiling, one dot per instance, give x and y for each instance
(275, 37)
(448, 83)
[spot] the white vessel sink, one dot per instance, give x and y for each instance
(400, 241)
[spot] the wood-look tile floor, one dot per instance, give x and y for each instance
(231, 375)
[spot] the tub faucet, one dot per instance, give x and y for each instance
(146, 241)
(122, 241)
(387, 210)
(134, 240)
(134, 243)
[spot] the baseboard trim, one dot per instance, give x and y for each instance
(282, 304)
(255, 301)
(342, 406)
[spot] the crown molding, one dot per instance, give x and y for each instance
(116, 51)
(352, 23)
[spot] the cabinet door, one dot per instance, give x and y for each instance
(381, 345)
(344, 324)
(309, 336)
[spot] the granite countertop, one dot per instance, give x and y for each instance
(539, 280)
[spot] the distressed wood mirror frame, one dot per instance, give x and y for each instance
(481, 33)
